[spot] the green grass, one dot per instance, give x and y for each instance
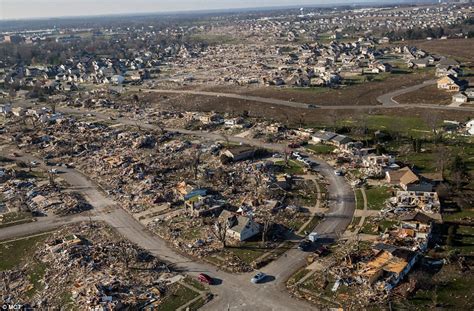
(298, 276)
(425, 161)
(376, 196)
(297, 221)
(377, 227)
(410, 126)
(37, 272)
(459, 215)
(15, 216)
(452, 291)
(198, 304)
(321, 148)
(359, 199)
(15, 252)
(195, 283)
(292, 168)
(355, 221)
(312, 224)
(178, 296)
(248, 251)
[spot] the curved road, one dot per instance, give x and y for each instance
(386, 100)
(236, 291)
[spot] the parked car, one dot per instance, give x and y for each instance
(304, 245)
(339, 172)
(204, 278)
(257, 278)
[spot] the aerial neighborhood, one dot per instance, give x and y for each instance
(298, 158)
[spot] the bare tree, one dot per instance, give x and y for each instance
(219, 230)
(195, 163)
(442, 157)
(432, 120)
(265, 228)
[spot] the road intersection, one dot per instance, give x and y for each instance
(235, 292)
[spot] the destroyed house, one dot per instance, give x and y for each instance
(240, 153)
(421, 225)
(322, 136)
(426, 201)
(195, 193)
(388, 267)
(330, 138)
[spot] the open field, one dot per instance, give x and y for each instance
(293, 116)
(363, 93)
(460, 49)
(427, 95)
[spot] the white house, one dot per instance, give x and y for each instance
(459, 98)
(239, 227)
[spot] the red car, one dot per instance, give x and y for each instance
(204, 278)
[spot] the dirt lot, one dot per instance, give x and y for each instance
(294, 116)
(460, 49)
(427, 95)
(359, 94)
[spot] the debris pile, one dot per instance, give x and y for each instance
(91, 268)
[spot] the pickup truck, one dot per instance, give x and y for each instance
(313, 237)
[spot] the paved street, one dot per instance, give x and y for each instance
(236, 292)
(387, 99)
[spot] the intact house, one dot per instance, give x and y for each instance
(239, 227)
(419, 63)
(460, 98)
(464, 97)
(404, 177)
(451, 84)
(442, 71)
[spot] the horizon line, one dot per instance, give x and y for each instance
(222, 10)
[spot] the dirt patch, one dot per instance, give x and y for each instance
(427, 95)
(359, 94)
(293, 116)
(460, 49)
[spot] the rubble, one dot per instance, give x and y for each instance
(93, 268)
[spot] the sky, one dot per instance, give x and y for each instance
(24, 9)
